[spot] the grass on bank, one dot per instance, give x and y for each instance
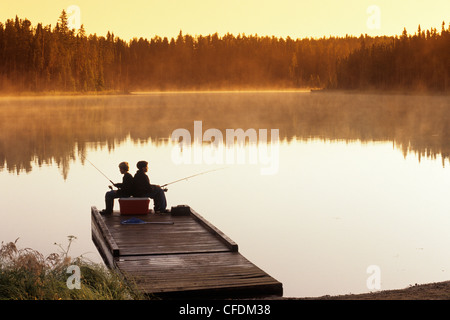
(25, 274)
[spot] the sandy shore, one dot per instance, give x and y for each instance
(429, 291)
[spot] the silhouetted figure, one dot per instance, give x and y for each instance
(125, 189)
(143, 188)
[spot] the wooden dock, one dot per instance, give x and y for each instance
(185, 257)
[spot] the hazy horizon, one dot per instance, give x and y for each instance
(294, 19)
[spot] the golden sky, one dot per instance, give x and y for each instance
(281, 18)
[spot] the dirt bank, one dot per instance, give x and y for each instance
(430, 291)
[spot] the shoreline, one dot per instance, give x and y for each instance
(427, 291)
(27, 94)
(147, 92)
(405, 92)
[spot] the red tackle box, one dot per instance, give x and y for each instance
(134, 205)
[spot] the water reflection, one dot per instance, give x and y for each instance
(42, 130)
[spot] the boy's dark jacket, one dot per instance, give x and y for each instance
(141, 184)
(126, 187)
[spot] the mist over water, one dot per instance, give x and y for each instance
(362, 178)
(47, 129)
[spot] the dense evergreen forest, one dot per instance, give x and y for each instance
(46, 58)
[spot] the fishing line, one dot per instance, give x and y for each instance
(164, 185)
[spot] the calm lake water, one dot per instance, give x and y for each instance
(353, 182)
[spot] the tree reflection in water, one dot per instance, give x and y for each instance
(41, 130)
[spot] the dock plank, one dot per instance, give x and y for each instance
(199, 273)
(185, 236)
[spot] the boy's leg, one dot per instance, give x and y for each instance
(159, 198)
(109, 201)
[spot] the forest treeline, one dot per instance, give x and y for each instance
(46, 58)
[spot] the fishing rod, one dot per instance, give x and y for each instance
(198, 174)
(98, 170)
(164, 185)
